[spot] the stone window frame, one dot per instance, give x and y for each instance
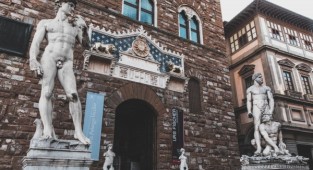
(302, 119)
(154, 12)
(273, 28)
(292, 37)
(307, 87)
(245, 72)
(191, 14)
(243, 37)
(289, 84)
(304, 71)
(307, 41)
(286, 66)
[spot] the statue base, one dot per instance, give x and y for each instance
(280, 162)
(54, 154)
(274, 166)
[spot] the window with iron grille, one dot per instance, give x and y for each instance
(14, 36)
(288, 80)
(306, 84)
(248, 81)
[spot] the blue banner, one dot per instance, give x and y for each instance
(93, 121)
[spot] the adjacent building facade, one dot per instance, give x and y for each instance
(166, 87)
(278, 43)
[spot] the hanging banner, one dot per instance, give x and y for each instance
(93, 121)
(177, 134)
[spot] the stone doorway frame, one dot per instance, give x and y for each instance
(147, 94)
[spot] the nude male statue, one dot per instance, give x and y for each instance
(57, 60)
(183, 160)
(259, 101)
(109, 158)
(272, 134)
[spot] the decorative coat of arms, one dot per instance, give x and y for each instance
(140, 47)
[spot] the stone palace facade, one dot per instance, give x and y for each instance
(166, 86)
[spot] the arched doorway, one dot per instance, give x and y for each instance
(135, 135)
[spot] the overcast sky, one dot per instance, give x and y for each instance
(230, 8)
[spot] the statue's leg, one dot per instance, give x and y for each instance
(267, 150)
(257, 136)
(45, 103)
(67, 79)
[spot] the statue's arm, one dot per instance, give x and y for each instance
(282, 145)
(35, 47)
(249, 102)
(82, 35)
(266, 137)
(271, 100)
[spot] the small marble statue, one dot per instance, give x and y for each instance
(183, 160)
(259, 101)
(61, 34)
(109, 158)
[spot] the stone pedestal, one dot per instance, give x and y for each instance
(57, 155)
(280, 162)
(276, 166)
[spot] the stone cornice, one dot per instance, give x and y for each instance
(264, 48)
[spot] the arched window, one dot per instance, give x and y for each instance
(183, 25)
(189, 25)
(194, 29)
(141, 10)
(194, 96)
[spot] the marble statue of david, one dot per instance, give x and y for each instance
(62, 32)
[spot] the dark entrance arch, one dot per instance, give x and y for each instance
(135, 135)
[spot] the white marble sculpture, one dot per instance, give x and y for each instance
(272, 136)
(183, 160)
(267, 134)
(109, 158)
(259, 101)
(61, 34)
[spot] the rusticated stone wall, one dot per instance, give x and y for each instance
(210, 136)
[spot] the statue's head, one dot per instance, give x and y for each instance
(267, 117)
(58, 3)
(110, 146)
(258, 78)
(182, 150)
